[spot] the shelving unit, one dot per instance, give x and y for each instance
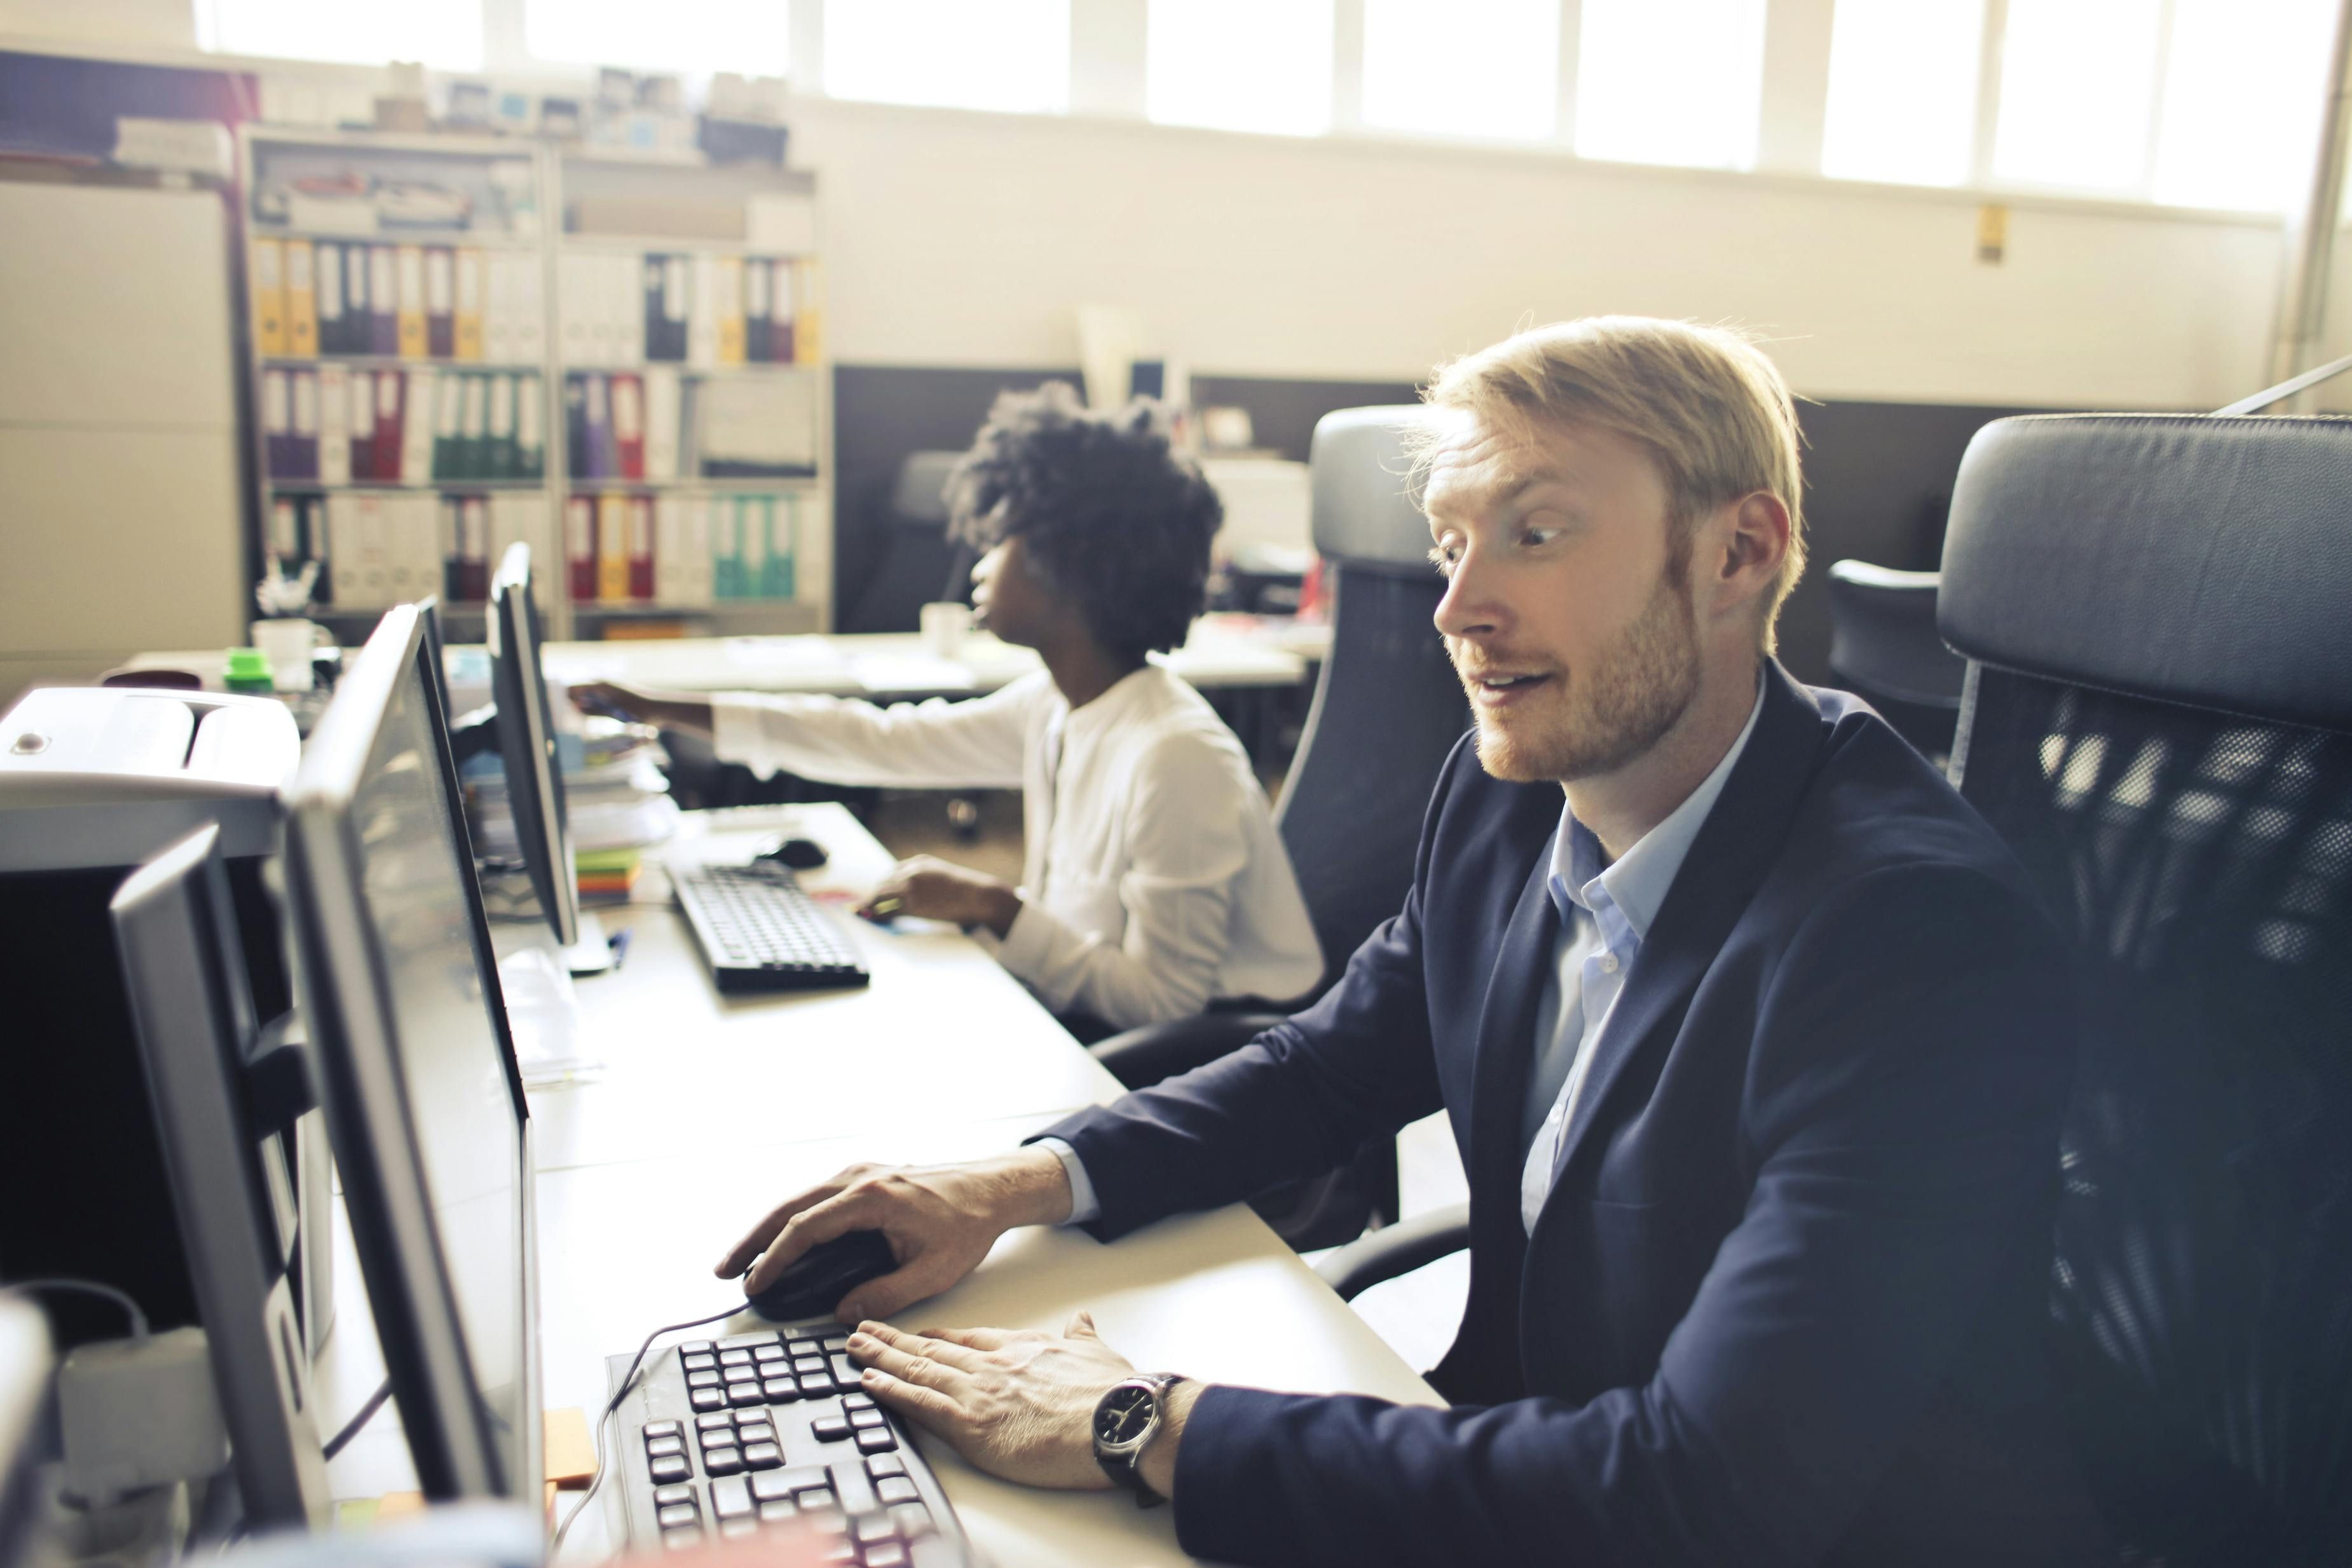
(501, 316)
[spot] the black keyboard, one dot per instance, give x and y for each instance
(726, 1438)
(759, 932)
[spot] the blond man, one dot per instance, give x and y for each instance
(1752, 1037)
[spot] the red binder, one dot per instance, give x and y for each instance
(580, 547)
(641, 547)
(390, 411)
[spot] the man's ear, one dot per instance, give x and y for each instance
(1755, 544)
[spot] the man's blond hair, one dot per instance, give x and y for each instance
(1710, 409)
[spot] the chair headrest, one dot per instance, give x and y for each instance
(2188, 557)
(1365, 513)
(920, 494)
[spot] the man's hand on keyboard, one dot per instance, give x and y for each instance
(933, 888)
(940, 1222)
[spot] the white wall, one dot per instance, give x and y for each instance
(146, 24)
(959, 238)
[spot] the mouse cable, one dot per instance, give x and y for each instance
(628, 1381)
(92, 1288)
(342, 1440)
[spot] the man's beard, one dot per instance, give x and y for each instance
(1597, 719)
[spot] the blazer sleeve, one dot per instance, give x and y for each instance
(1904, 1091)
(1297, 1101)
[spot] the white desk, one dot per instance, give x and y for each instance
(633, 1212)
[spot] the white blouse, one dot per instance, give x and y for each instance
(1152, 882)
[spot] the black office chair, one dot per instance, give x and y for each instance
(2158, 719)
(1386, 710)
(1885, 648)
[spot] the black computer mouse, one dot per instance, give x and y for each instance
(812, 1284)
(801, 854)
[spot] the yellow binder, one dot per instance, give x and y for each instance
(268, 284)
(301, 301)
(408, 263)
(472, 286)
(612, 547)
(731, 310)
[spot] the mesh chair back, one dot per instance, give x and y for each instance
(2159, 722)
(1388, 707)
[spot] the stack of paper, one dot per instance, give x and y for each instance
(616, 797)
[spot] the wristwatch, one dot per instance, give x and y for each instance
(1126, 1420)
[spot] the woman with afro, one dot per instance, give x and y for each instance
(1153, 884)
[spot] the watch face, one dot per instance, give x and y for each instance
(1122, 1415)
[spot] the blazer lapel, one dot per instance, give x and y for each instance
(1506, 1037)
(1742, 837)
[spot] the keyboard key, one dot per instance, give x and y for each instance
(741, 1394)
(816, 1385)
(810, 1365)
(868, 1527)
(735, 1527)
(780, 1390)
(858, 1402)
(886, 1554)
(702, 1362)
(772, 1486)
(844, 1372)
(830, 1428)
(774, 1512)
(676, 1492)
(702, 1379)
(670, 1467)
(662, 1428)
(896, 1489)
(803, 1478)
(762, 1455)
(707, 1399)
(730, 1498)
(874, 1440)
(805, 1346)
(834, 1342)
(734, 1358)
(695, 1347)
(683, 1536)
(657, 1447)
(747, 1341)
(752, 1426)
(723, 1461)
(676, 1514)
(865, 1419)
(912, 1519)
(882, 1465)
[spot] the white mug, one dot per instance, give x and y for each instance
(288, 644)
(944, 626)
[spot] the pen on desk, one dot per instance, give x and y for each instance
(618, 943)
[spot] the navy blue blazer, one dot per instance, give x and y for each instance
(1784, 1303)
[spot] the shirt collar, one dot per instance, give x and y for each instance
(1106, 709)
(1635, 887)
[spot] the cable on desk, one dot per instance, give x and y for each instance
(342, 1440)
(92, 1288)
(628, 1381)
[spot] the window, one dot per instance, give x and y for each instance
(1671, 82)
(695, 36)
(444, 34)
(1470, 67)
(1008, 54)
(1902, 90)
(2242, 90)
(2077, 85)
(1241, 65)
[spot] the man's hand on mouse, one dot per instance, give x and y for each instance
(940, 1222)
(1019, 1406)
(934, 889)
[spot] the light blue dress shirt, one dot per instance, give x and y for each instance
(1604, 912)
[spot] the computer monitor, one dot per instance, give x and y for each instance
(400, 994)
(428, 610)
(527, 744)
(183, 973)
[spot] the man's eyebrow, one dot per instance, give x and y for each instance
(1511, 487)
